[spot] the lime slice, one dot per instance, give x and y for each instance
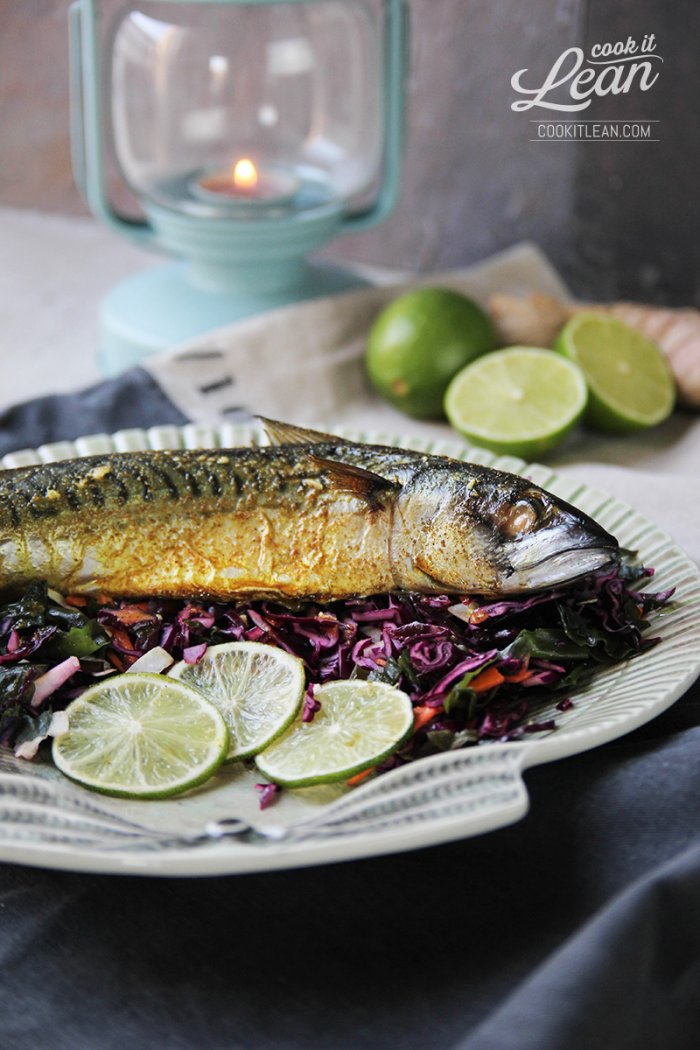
(141, 736)
(358, 725)
(521, 401)
(257, 688)
(630, 384)
(419, 341)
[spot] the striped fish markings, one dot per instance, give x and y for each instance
(309, 517)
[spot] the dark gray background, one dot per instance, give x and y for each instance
(617, 218)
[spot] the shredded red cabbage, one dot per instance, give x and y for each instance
(434, 648)
(267, 794)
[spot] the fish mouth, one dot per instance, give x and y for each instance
(563, 567)
(573, 546)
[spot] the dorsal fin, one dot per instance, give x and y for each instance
(288, 434)
(361, 483)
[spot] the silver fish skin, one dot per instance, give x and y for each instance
(311, 517)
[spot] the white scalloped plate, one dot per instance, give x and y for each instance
(435, 800)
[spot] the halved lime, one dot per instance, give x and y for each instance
(257, 688)
(359, 724)
(419, 341)
(141, 736)
(630, 383)
(521, 401)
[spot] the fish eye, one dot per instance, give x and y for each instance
(522, 517)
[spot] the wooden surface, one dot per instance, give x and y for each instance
(618, 218)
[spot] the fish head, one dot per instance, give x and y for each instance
(489, 532)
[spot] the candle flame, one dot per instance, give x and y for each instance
(245, 174)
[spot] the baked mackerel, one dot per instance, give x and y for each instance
(311, 517)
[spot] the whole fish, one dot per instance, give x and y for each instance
(311, 517)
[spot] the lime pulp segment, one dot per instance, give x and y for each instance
(519, 400)
(630, 382)
(141, 736)
(257, 688)
(359, 724)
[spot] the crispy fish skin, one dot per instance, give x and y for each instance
(326, 519)
(174, 524)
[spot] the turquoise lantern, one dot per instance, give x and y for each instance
(251, 132)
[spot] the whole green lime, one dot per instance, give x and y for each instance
(419, 342)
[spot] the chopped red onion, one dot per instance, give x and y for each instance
(53, 679)
(194, 653)
(152, 662)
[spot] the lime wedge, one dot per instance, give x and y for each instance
(519, 401)
(257, 688)
(630, 384)
(358, 725)
(141, 736)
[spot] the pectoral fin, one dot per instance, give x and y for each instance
(363, 484)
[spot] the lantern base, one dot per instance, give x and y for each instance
(158, 309)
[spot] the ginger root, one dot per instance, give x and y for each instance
(536, 320)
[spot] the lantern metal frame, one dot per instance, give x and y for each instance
(234, 268)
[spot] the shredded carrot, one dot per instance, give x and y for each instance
(359, 777)
(519, 676)
(422, 715)
(116, 661)
(478, 616)
(488, 679)
(76, 600)
(132, 614)
(119, 635)
(104, 599)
